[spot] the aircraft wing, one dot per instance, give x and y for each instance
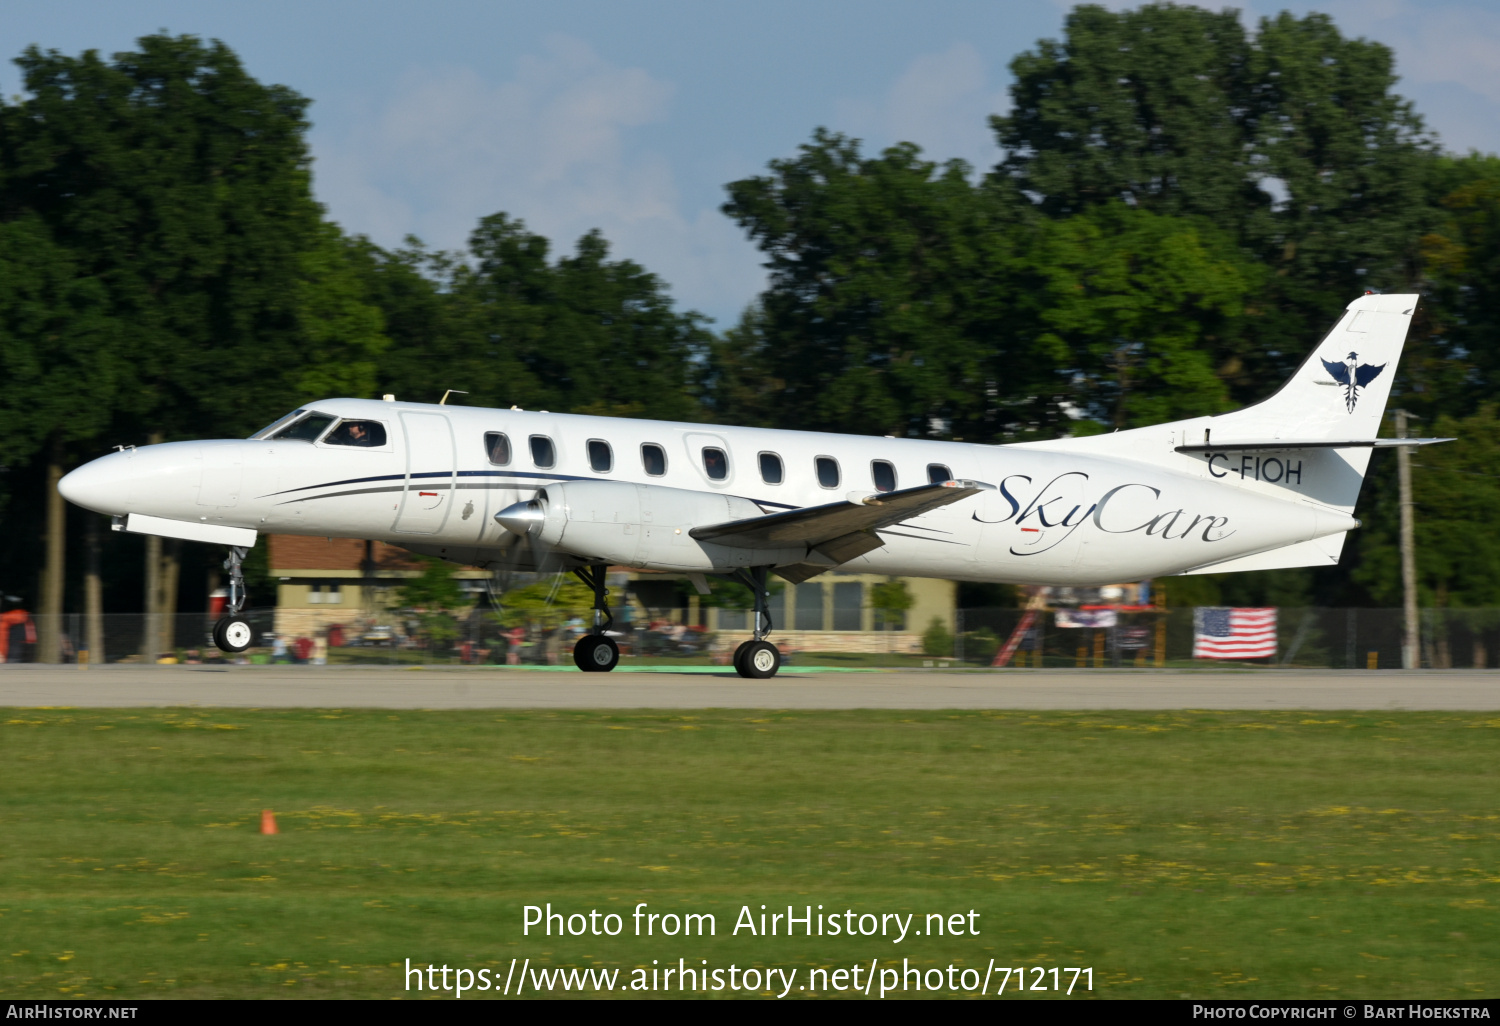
(839, 530)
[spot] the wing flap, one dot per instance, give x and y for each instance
(837, 523)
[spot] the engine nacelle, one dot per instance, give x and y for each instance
(639, 525)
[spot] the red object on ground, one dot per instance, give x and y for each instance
(336, 635)
(1002, 657)
(217, 600)
(303, 648)
(8, 622)
(268, 822)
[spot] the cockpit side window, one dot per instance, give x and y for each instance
(305, 430)
(273, 427)
(365, 434)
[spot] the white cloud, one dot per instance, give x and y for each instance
(941, 102)
(552, 146)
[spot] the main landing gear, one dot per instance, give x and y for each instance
(232, 633)
(595, 651)
(757, 659)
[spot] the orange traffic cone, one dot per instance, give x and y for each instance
(267, 822)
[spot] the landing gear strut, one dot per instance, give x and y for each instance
(757, 659)
(595, 651)
(232, 633)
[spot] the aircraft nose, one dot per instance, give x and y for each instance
(102, 485)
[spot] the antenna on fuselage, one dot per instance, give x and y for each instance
(452, 391)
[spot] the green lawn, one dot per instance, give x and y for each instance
(1216, 855)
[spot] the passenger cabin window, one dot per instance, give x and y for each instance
(274, 426)
(715, 463)
(497, 447)
(654, 459)
(542, 452)
(937, 473)
(770, 468)
(363, 434)
(828, 471)
(600, 456)
(884, 475)
(305, 430)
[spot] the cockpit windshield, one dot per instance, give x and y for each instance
(300, 426)
(270, 429)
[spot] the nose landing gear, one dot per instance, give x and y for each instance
(232, 633)
(596, 652)
(757, 659)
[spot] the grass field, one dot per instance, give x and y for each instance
(1212, 855)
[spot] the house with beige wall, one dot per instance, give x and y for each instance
(326, 581)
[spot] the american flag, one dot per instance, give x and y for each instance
(1221, 632)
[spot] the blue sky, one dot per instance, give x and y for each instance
(630, 117)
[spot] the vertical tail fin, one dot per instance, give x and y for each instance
(1339, 393)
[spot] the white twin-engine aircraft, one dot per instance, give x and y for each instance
(1272, 485)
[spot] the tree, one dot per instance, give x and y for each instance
(584, 334)
(1453, 359)
(904, 299)
(433, 596)
(174, 190)
(891, 598)
(59, 378)
(1136, 310)
(182, 186)
(1457, 494)
(1293, 143)
(882, 286)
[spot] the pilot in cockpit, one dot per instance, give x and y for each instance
(363, 433)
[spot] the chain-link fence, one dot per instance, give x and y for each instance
(1343, 638)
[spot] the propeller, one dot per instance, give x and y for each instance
(525, 520)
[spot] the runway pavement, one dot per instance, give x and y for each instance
(478, 687)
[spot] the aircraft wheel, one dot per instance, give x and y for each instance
(233, 635)
(739, 654)
(761, 660)
(595, 653)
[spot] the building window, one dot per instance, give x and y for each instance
(884, 475)
(937, 473)
(770, 468)
(600, 456)
(809, 607)
(715, 463)
(325, 594)
(848, 604)
(654, 459)
(497, 447)
(828, 471)
(542, 452)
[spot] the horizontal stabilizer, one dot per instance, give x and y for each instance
(1291, 443)
(831, 526)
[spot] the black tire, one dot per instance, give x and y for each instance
(233, 635)
(760, 661)
(595, 653)
(739, 654)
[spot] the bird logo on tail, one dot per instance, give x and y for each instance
(1353, 375)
